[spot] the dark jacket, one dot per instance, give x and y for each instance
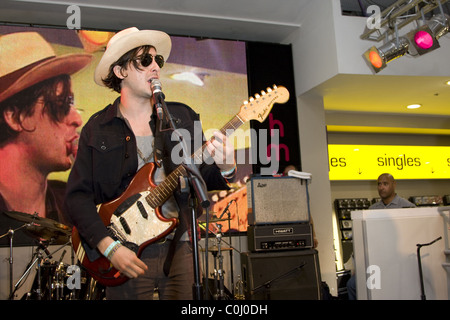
(107, 161)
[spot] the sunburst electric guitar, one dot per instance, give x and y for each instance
(135, 217)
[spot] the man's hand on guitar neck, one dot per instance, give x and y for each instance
(124, 259)
(222, 151)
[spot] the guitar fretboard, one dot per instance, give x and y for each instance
(164, 190)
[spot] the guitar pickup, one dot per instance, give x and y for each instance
(142, 210)
(124, 206)
(125, 225)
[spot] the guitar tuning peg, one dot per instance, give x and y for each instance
(263, 93)
(251, 99)
(275, 87)
(269, 90)
(257, 96)
(245, 102)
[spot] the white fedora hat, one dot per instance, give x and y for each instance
(26, 59)
(126, 40)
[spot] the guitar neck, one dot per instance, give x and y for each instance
(256, 108)
(164, 190)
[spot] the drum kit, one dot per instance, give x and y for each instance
(54, 279)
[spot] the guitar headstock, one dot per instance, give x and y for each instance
(259, 106)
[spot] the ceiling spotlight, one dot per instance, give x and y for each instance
(414, 106)
(425, 38)
(378, 58)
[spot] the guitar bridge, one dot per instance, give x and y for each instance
(115, 233)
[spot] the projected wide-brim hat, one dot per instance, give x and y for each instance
(126, 40)
(26, 59)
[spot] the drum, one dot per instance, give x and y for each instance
(60, 281)
(44, 282)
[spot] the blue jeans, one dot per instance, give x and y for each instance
(176, 286)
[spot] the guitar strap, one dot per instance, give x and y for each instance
(185, 224)
(181, 229)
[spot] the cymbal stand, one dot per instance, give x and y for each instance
(10, 235)
(216, 254)
(58, 278)
(219, 272)
(39, 264)
(11, 259)
(231, 251)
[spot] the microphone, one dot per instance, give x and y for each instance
(226, 208)
(158, 95)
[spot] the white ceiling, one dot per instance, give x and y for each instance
(254, 20)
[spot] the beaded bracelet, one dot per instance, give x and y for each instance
(111, 249)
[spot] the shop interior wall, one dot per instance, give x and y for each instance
(368, 189)
(405, 188)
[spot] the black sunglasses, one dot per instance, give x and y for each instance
(147, 59)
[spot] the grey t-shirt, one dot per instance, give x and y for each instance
(397, 202)
(145, 147)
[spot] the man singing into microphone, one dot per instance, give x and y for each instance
(115, 143)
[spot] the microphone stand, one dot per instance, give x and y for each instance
(419, 260)
(197, 189)
(11, 262)
(227, 210)
(10, 235)
(268, 283)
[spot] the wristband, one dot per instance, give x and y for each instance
(110, 248)
(113, 250)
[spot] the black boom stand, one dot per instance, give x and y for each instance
(193, 184)
(419, 261)
(267, 285)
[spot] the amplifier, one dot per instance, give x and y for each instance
(289, 275)
(279, 237)
(277, 200)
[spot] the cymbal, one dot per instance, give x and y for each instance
(214, 219)
(215, 249)
(36, 220)
(52, 236)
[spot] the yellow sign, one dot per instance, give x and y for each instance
(367, 162)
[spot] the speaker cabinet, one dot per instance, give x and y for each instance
(274, 200)
(292, 275)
